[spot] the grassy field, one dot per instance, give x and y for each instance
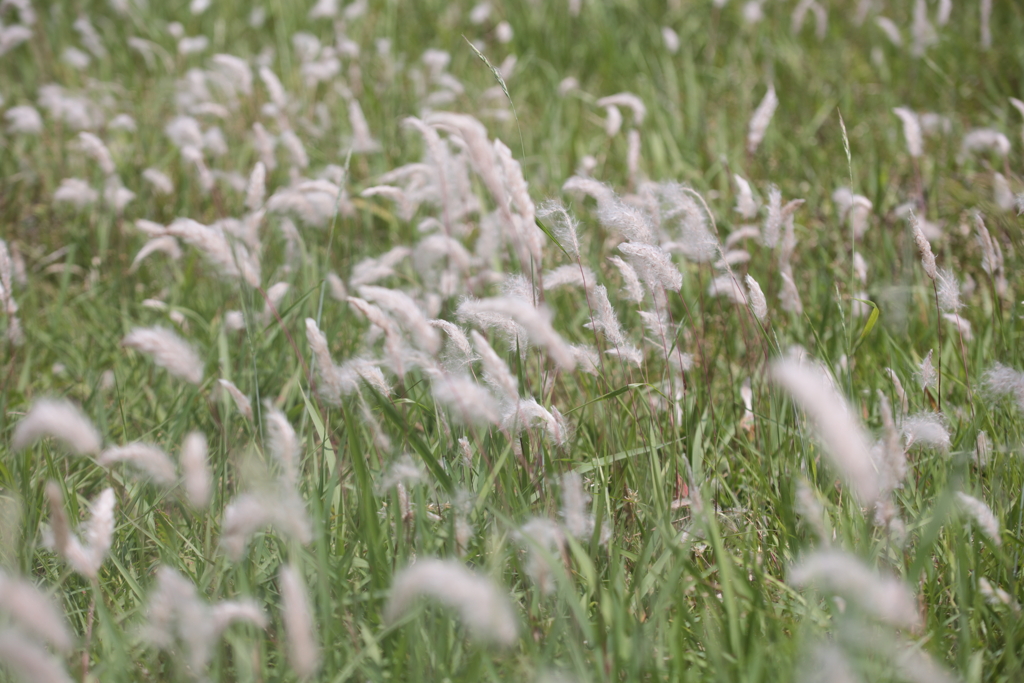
(633, 469)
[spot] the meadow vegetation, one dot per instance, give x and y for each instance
(541, 341)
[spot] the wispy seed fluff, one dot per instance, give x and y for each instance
(746, 205)
(168, 350)
(34, 611)
(85, 558)
(1000, 380)
(484, 608)
(911, 131)
(565, 226)
(536, 322)
(760, 120)
(195, 470)
(60, 419)
(144, 457)
(982, 515)
(924, 247)
(653, 265)
(28, 660)
(242, 401)
(282, 442)
(303, 649)
(885, 597)
(758, 303)
(836, 424)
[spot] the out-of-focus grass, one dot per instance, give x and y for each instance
(665, 598)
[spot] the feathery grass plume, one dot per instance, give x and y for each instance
(256, 190)
(536, 322)
(168, 350)
(631, 287)
(578, 521)
(34, 612)
(985, 140)
(605, 319)
(653, 265)
(602, 193)
(887, 598)
(329, 383)
(211, 241)
(483, 607)
(926, 375)
(982, 515)
(726, 285)
(761, 118)
(300, 629)
(758, 303)
(612, 120)
(835, 422)
(773, 221)
(177, 617)
(628, 100)
(161, 182)
(827, 663)
(628, 221)
(789, 295)
(926, 429)
(542, 538)
(95, 149)
(247, 513)
(147, 458)
(1000, 380)
(282, 442)
(85, 558)
(469, 402)
(23, 120)
(393, 347)
(924, 247)
(496, 371)
(948, 291)
(565, 225)
(164, 244)
(853, 208)
(195, 470)
(891, 459)
(458, 352)
(76, 192)
(60, 419)
(991, 255)
(407, 313)
(911, 131)
(746, 205)
(526, 230)
(29, 661)
(570, 274)
(525, 413)
(242, 401)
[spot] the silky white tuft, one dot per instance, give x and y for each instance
(483, 607)
(60, 419)
(168, 350)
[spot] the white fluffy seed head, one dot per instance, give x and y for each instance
(282, 442)
(60, 419)
(242, 401)
(761, 118)
(746, 205)
(195, 469)
(758, 302)
(147, 458)
(911, 131)
(835, 422)
(982, 515)
(303, 649)
(168, 350)
(256, 190)
(484, 608)
(886, 598)
(924, 248)
(29, 660)
(34, 611)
